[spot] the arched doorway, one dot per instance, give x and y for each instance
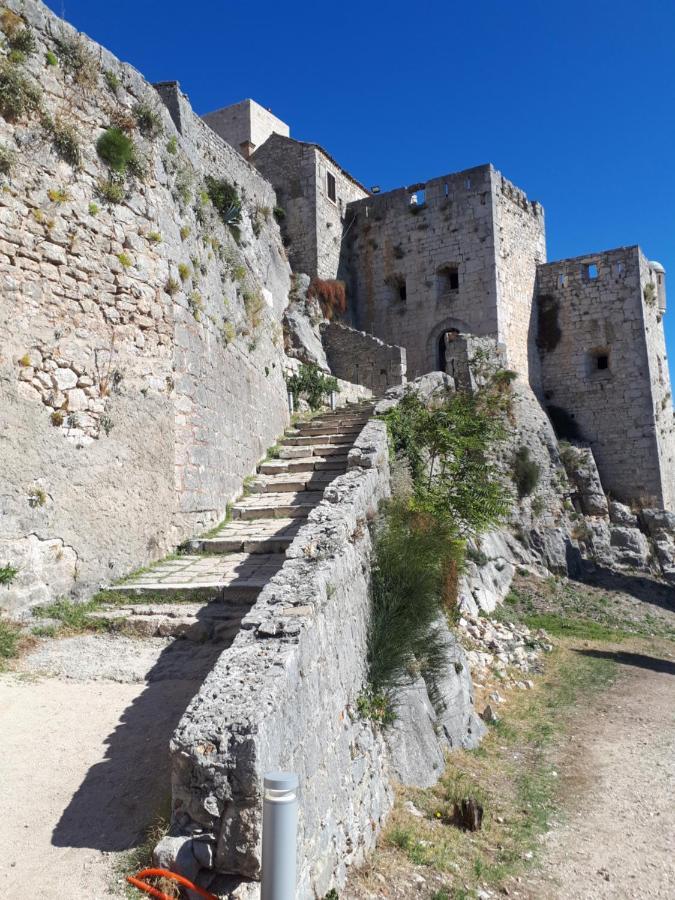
(445, 338)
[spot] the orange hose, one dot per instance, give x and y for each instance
(137, 882)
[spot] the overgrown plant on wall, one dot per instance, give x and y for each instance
(454, 493)
(331, 295)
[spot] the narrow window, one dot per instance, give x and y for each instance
(598, 361)
(421, 197)
(467, 184)
(562, 280)
(446, 189)
(330, 186)
(591, 271)
(402, 290)
(447, 280)
(619, 269)
(602, 361)
(398, 288)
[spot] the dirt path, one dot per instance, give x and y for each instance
(618, 837)
(84, 736)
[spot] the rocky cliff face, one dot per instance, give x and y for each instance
(141, 335)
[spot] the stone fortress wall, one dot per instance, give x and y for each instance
(131, 393)
(360, 358)
(604, 368)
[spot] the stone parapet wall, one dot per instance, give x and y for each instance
(360, 358)
(284, 696)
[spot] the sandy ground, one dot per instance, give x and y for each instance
(84, 736)
(618, 837)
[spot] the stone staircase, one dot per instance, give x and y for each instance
(204, 593)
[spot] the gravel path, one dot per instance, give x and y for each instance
(84, 736)
(618, 839)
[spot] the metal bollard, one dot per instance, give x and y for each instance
(279, 836)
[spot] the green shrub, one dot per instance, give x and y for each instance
(254, 305)
(18, 95)
(227, 332)
(279, 213)
(125, 260)
(225, 199)
(525, 472)
(37, 496)
(154, 237)
(184, 232)
(58, 195)
(111, 190)
(51, 59)
(311, 384)
(8, 574)
(93, 208)
(172, 146)
(183, 271)
(7, 160)
(148, 120)
(116, 149)
(195, 304)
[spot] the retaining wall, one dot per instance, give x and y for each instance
(363, 359)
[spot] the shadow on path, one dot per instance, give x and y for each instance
(640, 587)
(638, 660)
(121, 795)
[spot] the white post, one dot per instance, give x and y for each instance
(291, 403)
(332, 400)
(279, 836)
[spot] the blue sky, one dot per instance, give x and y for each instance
(573, 101)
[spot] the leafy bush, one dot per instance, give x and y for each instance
(19, 35)
(311, 383)
(525, 472)
(172, 145)
(279, 213)
(58, 195)
(18, 95)
(125, 260)
(225, 199)
(331, 295)
(93, 208)
(183, 271)
(10, 636)
(148, 120)
(172, 286)
(154, 237)
(447, 447)
(116, 149)
(51, 59)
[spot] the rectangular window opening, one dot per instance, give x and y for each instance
(591, 271)
(602, 361)
(447, 278)
(562, 280)
(330, 186)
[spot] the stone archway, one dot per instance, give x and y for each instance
(435, 350)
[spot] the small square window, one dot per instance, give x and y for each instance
(602, 361)
(330, 186)
(591, 271)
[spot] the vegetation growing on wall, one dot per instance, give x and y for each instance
(18, 95)
(331, 295)
(311, 385)
(225, 199)
(454, 493)
(525, 472)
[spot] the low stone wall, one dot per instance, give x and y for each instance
(363, 359)
(284, 697)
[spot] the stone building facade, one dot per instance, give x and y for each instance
(314, 192)
(246, 125)
(604, 368)
(443, 257)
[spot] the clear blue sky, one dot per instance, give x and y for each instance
(573, 101)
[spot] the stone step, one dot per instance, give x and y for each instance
(318, 430)
(337, 438)
(258, 536)
(276, 506)
(195, 621)
(336, 464)
(290, 482)
(315, 450)
(235, 576)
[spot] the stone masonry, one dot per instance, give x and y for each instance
(139, 340)
(604, 368)
(360, 358)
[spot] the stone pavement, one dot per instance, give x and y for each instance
(228, 569)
